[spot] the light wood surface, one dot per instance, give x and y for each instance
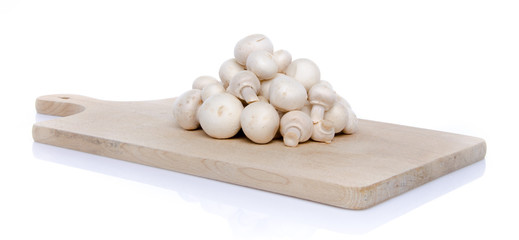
(355, 171)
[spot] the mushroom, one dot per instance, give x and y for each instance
(260, 122)
(228, 69)
(282, 58)
(322, 98)
(323, 131)
(305, 71)
(295, 127)
(353, 122)
(212, 89)
(307, 108)
(185, 109)
(219, 115)
(202, 81)
(326, 83)
(245, 85)
(286, 94)
(264, 88)
(263, 99)
(250, 44)
(260, 62)
(338, 115)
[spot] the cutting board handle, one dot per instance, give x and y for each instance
(62, 104)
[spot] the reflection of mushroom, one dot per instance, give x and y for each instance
(250, 44)
(338, 115)
(295, 127)
(260, 62)
(304, 71)
(282, 59)
(202, 81)
(323, 131)
(286, 94)
(322, 98)
(212, 89)
(245, 85)
(260, 122)
(228, 69)
(185, 109)
(353, 122)
(219, 115)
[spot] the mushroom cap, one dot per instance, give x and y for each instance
(321, 94)
(260, 62)
(352, 125)
(260, 122)
(326, 83)
(343, 101)
(185, 109)
(263, 99)
(202, 81)
(286, 94)
(212, 89)
(250, 44)
(305, 71)
(307, 108)
(282, 58)
(338, 115)
(243, 79)
(219, 115)
(299, 120)
(323, 131)
(227, 70)
(265, 88)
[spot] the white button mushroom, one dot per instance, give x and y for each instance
(260, 62)
(338, 115)
(305, 71)
(202, 81)
(219, 115)
(185, 109)
(263, 99)
(295, 127)
(282, 58)
(352, 126)
(212, 89)
(323, 131)
(322, 98)
(286, 94)
(352, 123)
(227, 70)
(260, 122)
(245, 85)
(307, 108)
(326, 83)
(250, 44)
(264, 88)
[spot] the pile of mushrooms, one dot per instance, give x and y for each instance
(266, 95)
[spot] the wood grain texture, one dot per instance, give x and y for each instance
(355, 171)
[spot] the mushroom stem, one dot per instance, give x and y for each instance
(249, 95)
(292, 136)
(323, 131)
(317, 113)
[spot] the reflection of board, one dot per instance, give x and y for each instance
(355, 171)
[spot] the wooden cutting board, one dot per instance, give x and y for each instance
(355, 171)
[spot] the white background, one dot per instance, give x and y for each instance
(444, 65)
